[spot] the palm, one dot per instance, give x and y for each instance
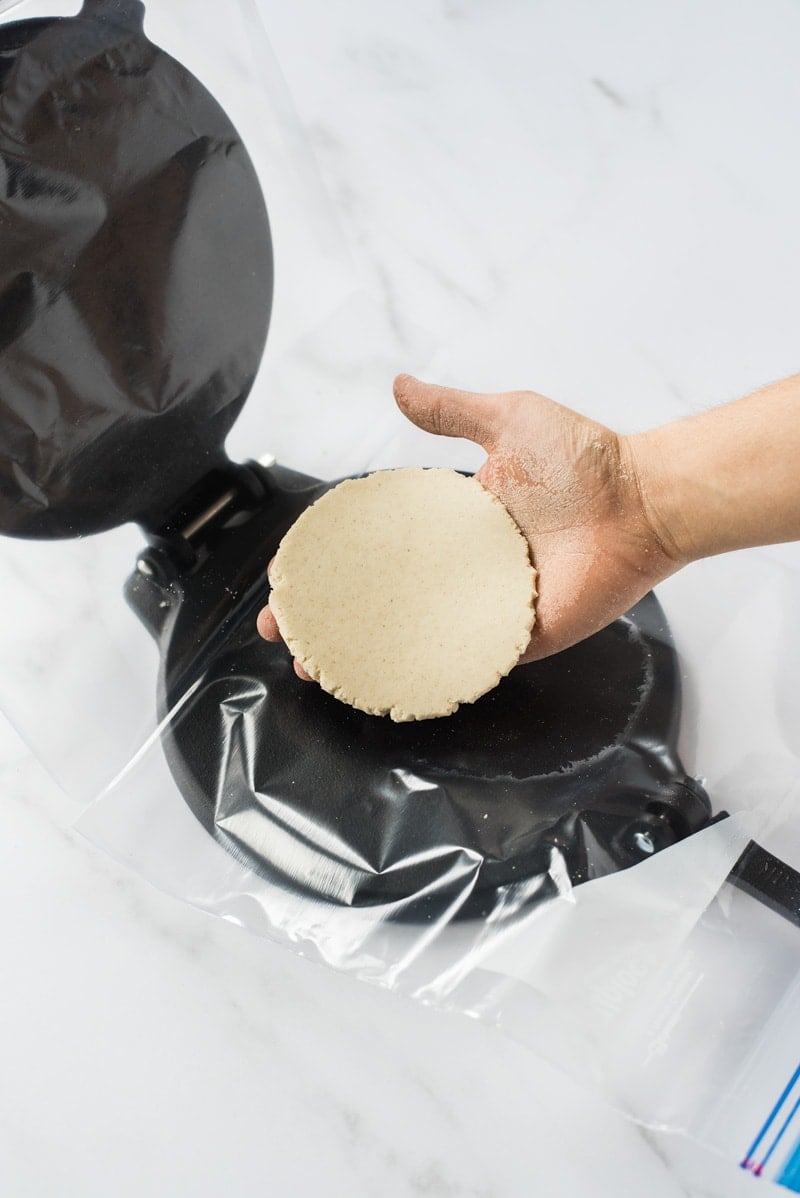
(572, 489)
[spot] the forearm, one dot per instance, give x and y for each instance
(725, 479)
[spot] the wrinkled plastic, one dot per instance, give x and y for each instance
(662, 986)
(86, 649)
(136, 275)
(568, 766)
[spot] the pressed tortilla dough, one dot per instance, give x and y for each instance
(406, 592)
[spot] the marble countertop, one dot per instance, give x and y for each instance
(597, 201)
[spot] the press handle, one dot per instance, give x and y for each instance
(765, 877)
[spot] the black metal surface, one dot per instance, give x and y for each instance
(571, 760)
(135, 275)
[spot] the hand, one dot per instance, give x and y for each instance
(267, 626)
(572, 487)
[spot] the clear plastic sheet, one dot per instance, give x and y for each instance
(549, 860)
(89, 645)
(629, 925)
(659, 985)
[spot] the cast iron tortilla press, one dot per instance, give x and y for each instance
(135, 295)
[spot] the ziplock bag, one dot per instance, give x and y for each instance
(484, 861)
(90, 207)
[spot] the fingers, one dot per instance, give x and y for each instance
(266, 623)
(267, 626)
(449, 412)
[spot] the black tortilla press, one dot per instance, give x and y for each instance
(135, 292)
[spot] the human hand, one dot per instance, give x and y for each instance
(267, 627)
(572, 487)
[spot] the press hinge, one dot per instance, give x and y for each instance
(224, 495)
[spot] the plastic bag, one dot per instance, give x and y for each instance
(89, 645)
(545, 860)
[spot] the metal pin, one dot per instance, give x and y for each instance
(209, 514)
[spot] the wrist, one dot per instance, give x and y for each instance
(661, 496)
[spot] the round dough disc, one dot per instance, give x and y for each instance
(406, 592)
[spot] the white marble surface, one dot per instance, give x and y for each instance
(597, 200)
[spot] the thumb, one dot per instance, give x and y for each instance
(449, 412)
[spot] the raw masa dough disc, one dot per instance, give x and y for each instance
(406, 592)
